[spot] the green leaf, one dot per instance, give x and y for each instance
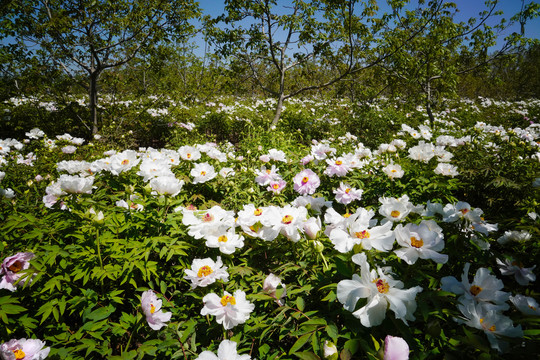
(301, 341)
(307, 355)
(101, 313)
(300, 304)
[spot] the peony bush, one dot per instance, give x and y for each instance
(278, 246)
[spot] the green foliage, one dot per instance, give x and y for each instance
(89, 271)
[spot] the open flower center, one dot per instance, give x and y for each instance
(275, 186)
(347, 215)
(417, 243)
(16, 266)
(464, 211)
(222, 238)
(19, 354)
(255, 227)
(491, 328)
(203, 173)
(347, 190)
(204, 271)
(208, 217)
(268, 171)
(188, 156)
(339, 162)
(257, 212)
(364, 234)
(152, 309)
(382, 286)
(393, 170)
(305, 179)
(475, 290)
(228, 299)
(395, 213)
(125, 161)
(287, 219)
(517, 263)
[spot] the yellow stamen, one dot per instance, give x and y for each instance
(204, 271)
(395, 213)
(188, 156)
(339, 162)
(362, 234)
(152, 309)
(208, 217)
(16, 266)
(19, 354)
(203, 173)
(347, 190)
(268, 171)
(255, 227)
(228, 299)
(475, 290)
(382, 286)
(417, 243)
(125, 162)
(305, 179)
(287, 219)
(222, 238)
(257, 212)
(464, 211)
(346, 215)
(275, 186)
(393, 170)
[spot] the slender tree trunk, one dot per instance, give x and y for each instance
(428, 103)
(279, 108)
(94, 102)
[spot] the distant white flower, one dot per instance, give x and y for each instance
(35, 133)
(166, 185)
(75, 184)
(522, 274)
(380, 290)
(202, 172)
(189, 153)
(422, 241)
(226, 351)
(446, 170)
(69, 149)
(527, 305)
(360, 229)
(394, 171)
(204, 272)
(494, 325)
(514, 235)
(271, 284)
(227, 242)
(229, 310)
(395, 210)
(485, 288)
(277, 155)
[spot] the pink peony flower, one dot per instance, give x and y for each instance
(151, 306)
(24, 349)
(306, 182)
(11, 268)
(395, 348)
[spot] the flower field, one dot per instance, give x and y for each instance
(348, 231)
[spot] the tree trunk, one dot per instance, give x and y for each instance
(279, 108)
(428, 104)
(94, 102)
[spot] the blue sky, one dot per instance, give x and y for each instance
(467, 9)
